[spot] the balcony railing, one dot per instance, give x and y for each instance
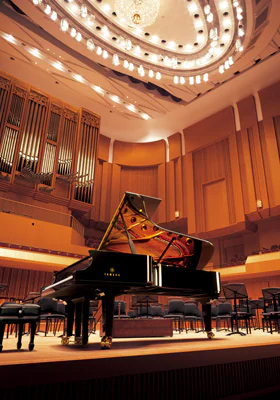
(40, 213)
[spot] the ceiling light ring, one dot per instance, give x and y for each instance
(158, 66)
(109, 45)
(103, 19)
(170, 53)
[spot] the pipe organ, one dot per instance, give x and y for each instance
(45, 143)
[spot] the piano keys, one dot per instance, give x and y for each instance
(135, 256)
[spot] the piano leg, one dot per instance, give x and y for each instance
(85, 321)
(70, 322)
(78, 322)
(206, 312)
(107, 320)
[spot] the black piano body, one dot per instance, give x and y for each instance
(135, 256)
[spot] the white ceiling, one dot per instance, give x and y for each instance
(36, 30)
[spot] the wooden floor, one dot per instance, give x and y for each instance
(195, 346)
(191, 351)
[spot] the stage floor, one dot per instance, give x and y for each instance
(49, 349)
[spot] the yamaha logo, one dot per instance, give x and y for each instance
(112, 272)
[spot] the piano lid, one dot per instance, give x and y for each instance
(132, 230)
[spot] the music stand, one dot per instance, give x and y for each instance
(31, 296)
(93, 305)
(146, 300)
(3, 287)
(221, 300)
(236, 291)
(272, 294)
(257, 304)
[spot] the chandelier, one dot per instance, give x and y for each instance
(137, 13)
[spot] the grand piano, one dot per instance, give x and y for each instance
(135, 256)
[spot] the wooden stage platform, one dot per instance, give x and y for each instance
(179, 367)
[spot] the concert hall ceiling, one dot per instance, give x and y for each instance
(147, 70)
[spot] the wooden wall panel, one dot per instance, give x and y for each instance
(115, 195)
(103, 148)
(247, 112)
(141, 180)
(215, 205)
(161, 190)
(270, 100)
(104, 198)
(170, 190)
(250, 127)
(139, 154)
(247, 179)
(212, 164)
(175, 146)
(178, 186)
(270, 154)
(210, 130)
(258, 168)
(236, 179)
(276, 123)
(189, 195)
(22, 281)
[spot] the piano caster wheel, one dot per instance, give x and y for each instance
(18, 346)
(210, 335)
(106, 342)
(31, 346)
(65, 340)
(78, 340)
(1, 347)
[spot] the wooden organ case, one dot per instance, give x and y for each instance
(47, 148)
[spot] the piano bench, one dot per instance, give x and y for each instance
(19, 314)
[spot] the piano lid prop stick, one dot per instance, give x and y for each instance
(130, 242)
(165, 250)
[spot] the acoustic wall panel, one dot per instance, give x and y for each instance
(215, 205)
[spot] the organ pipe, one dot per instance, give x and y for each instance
(67, 142)
(45, 142)
(86, 157)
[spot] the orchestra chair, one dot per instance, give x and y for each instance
(192, 315)
(271, 313)
(120, 309)
(214, 312)
(145, 312)
(256, 305)
(157, 311)
(132, 313)
(61, 311)
(175, 311)
(224, 313)
(50, 315)
(19, 314)
(91, 321)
